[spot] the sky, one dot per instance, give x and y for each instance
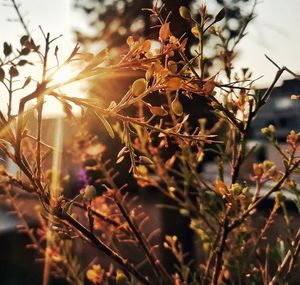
(275, 32)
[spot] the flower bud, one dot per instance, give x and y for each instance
(258, 169)
(176, 107)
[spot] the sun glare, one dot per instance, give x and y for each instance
(63, 74)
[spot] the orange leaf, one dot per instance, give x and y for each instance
(174, 84)
(164, 32)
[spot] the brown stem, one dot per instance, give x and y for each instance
(220, 250)
(289, 258)
(101, 246)
(160, 272)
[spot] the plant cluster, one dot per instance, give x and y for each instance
(165, 152)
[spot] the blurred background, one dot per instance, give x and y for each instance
(97, 24)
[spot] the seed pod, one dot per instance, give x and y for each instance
(172, 66)
(158, 111)
(130, 41)
(149, 72)
(164, 32)
(139, 86)
(196, 31)
(90, 192)
(174, 84)
(177, 107)
(185, 13)
(145, 160)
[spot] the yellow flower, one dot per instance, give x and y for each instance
(95, 274)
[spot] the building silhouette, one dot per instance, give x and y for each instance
(280, 111)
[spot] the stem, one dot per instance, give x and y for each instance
(290, 258)
(101, 246)
(220, 250)
(159, 271)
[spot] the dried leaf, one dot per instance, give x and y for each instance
(22, 62)
(139, 86)
(13, 72)
(25, 51)
(164, 32)
(27, 81)
(24, 39)
(174, 83)
(177, 107)
(145, 159)
(2, 74)
(87, 56)
(120, 159)
(185, 13)
(158, 111)
(7, 49)
(107, 126)
(209, 86)
(122, 151)
(195, 31)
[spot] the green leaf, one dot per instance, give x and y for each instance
(7, 49)
(106, 125)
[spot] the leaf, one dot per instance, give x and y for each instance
(13, 72)
(106, 125)
(22, 62)
(139, 86)
(7, 49)
(145, 159)
(185, 13)
(164, 32)
(176, 107)
(122, 151)
(25, 51)
(24, 39)
(2, 74)
(158, 111)
(27, 81)
(209, 86)
(120, 159)
(195, 31)
(87, 56)
(174, 83)
(220, 16)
